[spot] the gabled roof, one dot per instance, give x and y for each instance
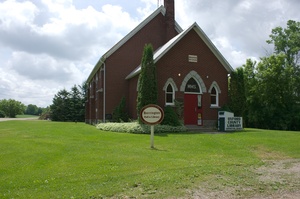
(99, 64)
(165, 48)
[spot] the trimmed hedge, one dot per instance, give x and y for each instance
(134, 127)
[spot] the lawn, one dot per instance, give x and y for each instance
(43, 159)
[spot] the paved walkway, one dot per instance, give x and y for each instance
(9, 119)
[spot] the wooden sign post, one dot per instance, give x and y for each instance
(152, 114)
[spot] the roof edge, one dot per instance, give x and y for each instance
(161, 9)
(165, 48)
(213, 48)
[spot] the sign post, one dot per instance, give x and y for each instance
(152, 114)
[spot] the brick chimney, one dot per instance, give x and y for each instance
(170, 19)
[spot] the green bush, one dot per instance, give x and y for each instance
(2, 114)
(120, 114)
(171, 117)
(135, 127)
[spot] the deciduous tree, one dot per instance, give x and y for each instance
(11, 107)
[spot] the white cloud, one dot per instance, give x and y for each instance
(52, 45)
(48, 45)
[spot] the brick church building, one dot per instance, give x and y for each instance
(190, 70)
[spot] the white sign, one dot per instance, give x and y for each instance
(152, 114)
(233, 123)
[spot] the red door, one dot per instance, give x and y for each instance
(192, 109)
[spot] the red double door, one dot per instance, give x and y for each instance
(193, 109)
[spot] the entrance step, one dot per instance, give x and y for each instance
(201, 128)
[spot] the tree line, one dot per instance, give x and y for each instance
(10, 108)
(66, 106)
(267, 93)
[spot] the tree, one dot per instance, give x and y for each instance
(237, 96)
(60, 107)
(120, 114)
(272, 86)
(170, 117)
(147, 85)
(287, 41)
(31, 110)
(11, 107)
(68, 106)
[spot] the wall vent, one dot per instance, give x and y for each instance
(193, 58)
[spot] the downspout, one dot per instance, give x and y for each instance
(104, 87)
(104, 90)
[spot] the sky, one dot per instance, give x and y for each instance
(50, 45)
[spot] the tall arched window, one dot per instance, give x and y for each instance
(170, 88)
(170, 95)
(214, 100)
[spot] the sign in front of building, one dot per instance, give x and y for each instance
(233, 123)
(152, 114)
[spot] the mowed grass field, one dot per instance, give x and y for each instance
(43, 159)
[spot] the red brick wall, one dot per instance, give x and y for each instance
(122, 62)
(176, 61)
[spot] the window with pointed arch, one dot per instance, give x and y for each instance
(214, 97)
(170, 95)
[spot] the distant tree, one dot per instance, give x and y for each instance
(60, 107)
(11, 107)
(2, 114)
(31, 110)
(77, 103)
(68, 106)
(147, 85)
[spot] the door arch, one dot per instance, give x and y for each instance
(197, 78)
(193, 88)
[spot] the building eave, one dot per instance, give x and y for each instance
(213, 48)
(165, 48)
(99, 64)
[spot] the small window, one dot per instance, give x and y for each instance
(214, 101)
(170, 95)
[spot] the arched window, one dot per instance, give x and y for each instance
(170, 95)
(214, 91)
(170, 88)
(214, 97)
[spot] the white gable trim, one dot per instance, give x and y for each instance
(99, 64)
(165, 48)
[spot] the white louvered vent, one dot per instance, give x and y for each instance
(193, 58)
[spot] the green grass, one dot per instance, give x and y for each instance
(26, 116)
(42, 159)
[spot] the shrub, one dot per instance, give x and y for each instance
(171, 117)
(120, 114)
(135, 127)
(2, 114)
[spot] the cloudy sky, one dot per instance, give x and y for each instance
(49, 45)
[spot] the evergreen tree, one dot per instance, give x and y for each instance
(69, 106)
(147, 85)
(60, 108)
(120, 114)
(237, 96)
